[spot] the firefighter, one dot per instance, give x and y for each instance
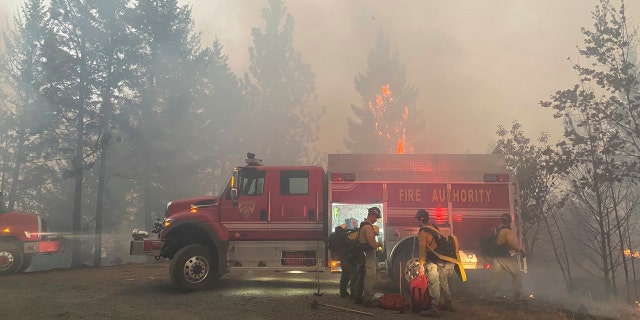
(509, 262)
(348, 275)
(366, 270)
(437, 276)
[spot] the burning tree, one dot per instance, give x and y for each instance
(387, 116)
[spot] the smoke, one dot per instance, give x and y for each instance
(475, 64)
(8, 8)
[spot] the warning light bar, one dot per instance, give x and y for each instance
(496, 177)
(339, 177)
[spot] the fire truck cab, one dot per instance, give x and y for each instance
(21, 238)
(269, 217)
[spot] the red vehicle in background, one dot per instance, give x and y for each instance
(21, 238)
(279, 217)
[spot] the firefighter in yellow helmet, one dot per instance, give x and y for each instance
(366, 270)
(508, 262)
(438, 280)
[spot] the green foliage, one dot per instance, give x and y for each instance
(114, 92)
(601, 127)
(29, 145)
(219, 120)
(526, 161)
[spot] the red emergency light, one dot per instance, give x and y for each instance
(339, 177)
(441, 215)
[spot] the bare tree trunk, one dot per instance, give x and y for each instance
(562, 259)
(614, 287)
(18, 157)
(633, 267)
(78, 169)
(104, 146)
(105, 141)
(621, 237)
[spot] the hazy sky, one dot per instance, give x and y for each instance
(476, 64)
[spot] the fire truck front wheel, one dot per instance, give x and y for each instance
(192, 268)
(10, 259)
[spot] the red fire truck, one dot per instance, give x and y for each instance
(278, 217)
(21, 238)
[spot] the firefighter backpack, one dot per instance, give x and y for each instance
(419, 292)
(489, 247)
(340, 241)
(447, 250)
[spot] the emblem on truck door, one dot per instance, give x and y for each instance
(246, 208)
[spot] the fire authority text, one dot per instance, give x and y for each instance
(447, 195)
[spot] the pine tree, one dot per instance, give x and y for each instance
(71, 65)
(220, 119)
(282, 125)
(172, 69)
(387, 121)
(113, 82)
(26, 125)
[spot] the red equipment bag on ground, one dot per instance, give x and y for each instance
(419, 290)
(393, 301)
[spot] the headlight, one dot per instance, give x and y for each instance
(159, 226)
(138, 234)
(27, 234)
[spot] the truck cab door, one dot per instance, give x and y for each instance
(244, 206)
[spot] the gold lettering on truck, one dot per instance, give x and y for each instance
(461, 195)
(439, 195)
(410, 195)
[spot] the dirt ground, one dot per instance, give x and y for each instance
(144, 291)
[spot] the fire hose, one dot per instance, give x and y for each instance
(315, 304)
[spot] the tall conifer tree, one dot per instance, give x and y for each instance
(171, 69)
(282, 125)
(26, 126)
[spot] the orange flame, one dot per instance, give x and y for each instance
(399, 131)
(628, 253)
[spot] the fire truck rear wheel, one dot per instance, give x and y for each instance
(10, 259)
(409, 267)
(192, 268)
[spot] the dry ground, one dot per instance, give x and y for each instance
(144, 291)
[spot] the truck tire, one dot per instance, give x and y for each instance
(192, 268)
(26, 262)
(409, 266)
(10, 259)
